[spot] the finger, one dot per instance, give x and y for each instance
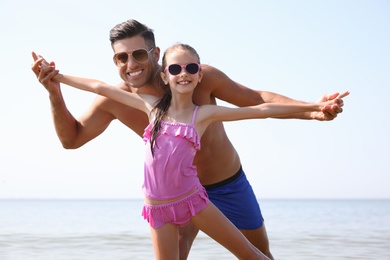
(336, 109)
(339, 99)
(47, 69)
(36, 66)
(46, 75)
(338, 102)
(38, 57)
(346, 93)
(332, 96)
(34, 55)
(38, 60)
(45, 62)
(331, 110)
(328, 114)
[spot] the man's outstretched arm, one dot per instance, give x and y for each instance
(72, 133)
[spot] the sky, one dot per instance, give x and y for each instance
(302, 49)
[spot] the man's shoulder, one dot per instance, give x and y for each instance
(210, 69)
(213, 78)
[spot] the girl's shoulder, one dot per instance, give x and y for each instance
(208, 108)
(205, 111)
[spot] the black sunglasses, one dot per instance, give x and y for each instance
(140, 55)
(176, 69)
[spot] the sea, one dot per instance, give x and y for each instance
(115, 230)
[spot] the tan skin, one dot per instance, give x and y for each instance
(217, 161)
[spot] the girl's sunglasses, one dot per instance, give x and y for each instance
(140, 55)
(176, 69)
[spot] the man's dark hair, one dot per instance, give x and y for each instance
(131, 28)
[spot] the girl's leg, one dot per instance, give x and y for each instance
(187, 236)
(212, 222)
(165, 242)
(258, 237)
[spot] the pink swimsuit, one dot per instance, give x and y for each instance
(171, 174)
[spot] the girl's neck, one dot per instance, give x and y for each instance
(181, 102)
(180, 110)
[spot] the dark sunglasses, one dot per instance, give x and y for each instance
(140, 55)
(176, 69)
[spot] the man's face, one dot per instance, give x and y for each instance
(134, 72)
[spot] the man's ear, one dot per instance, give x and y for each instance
(156, 54)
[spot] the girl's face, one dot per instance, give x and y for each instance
(184, 73)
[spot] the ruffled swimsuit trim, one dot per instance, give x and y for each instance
(187, 131)
(158, 215)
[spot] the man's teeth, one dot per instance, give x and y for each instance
(135, 73)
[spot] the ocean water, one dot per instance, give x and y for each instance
(115, 230)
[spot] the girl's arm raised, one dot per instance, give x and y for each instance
(106, 90)
(210, 113)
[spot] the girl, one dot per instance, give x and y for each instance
(173, 193)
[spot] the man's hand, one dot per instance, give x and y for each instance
(330, 112)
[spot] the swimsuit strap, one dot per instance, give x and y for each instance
(194, 114)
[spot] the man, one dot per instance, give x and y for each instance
(218, 164)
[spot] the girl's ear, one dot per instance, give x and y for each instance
(200, 75)
(164, 77)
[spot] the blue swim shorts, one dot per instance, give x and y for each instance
(237, 201)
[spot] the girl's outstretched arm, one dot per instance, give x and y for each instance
(285, 109)
(101, 88)
(210, 113)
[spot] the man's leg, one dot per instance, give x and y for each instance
(187, 236)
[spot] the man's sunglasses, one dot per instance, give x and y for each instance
(140, 55)
(176, 69)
